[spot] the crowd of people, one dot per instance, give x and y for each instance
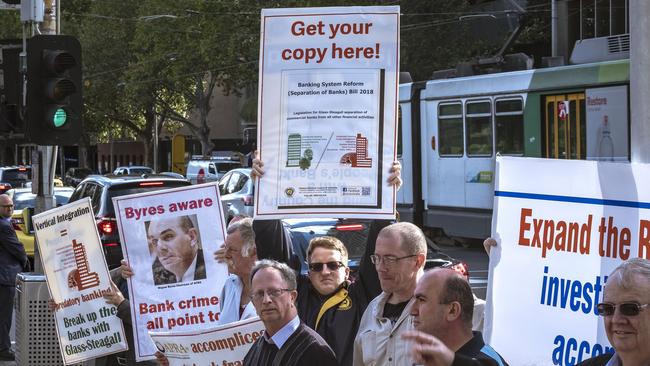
(393, 313)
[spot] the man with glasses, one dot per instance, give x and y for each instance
(328, 301)
(626, 312)
(442, 315)
(13, 259)
(400, 255)
(286, 341)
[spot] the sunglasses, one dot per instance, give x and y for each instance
(318, 267)
(626, 308)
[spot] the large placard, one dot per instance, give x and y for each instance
(223, 345)
(328, 111)
(562, 227)
(77, 277)
(168, 238)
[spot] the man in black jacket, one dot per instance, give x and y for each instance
(442, 315)
(328, 301)
(12, 260)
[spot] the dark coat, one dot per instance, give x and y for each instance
(304, 347)
(12, 254)
(339, 321)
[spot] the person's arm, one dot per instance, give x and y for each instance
(368, 278)
(273, 241)
(11, 243)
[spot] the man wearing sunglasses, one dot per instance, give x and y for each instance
(13, 259)
(328, 301)
(626, 312)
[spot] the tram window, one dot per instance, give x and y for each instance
(450, 129)
(478, 123)
(509, 126)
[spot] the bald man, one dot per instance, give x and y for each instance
(442, 316)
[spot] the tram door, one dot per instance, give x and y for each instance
(565, 126)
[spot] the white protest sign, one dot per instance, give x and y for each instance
(77, 278)
(562, 227)
(225, 345)
(328, 111)
(168, 238)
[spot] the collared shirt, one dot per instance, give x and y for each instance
(378, 340)
(614, 361)
(230, 302)
(189, 274)
(281, 336)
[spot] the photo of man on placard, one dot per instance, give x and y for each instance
(176, 246)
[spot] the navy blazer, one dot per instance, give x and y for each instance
(12, 254)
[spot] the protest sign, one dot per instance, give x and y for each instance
(328, 111)
(562, 227)
(77, 278)
(224, 345)
(168, 238)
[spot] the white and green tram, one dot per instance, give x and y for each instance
(451, 130)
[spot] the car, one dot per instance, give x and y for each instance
(210, 169)
(354, 234)
(173, 175)
(15, 176)
(133, 169)
(75, 175)
(102, 189)
(25, 200)
(236, 189)
(57, 182)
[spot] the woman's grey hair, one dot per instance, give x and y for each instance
(288, 274)
(625, 273)
(245, 229)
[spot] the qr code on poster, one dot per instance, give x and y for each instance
(365, 191)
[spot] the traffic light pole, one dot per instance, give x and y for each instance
(45, 155)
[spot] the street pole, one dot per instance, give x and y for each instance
(639, 81)
(155, 145)
(44, 186)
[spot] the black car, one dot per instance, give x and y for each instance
(75, 175)
(102, 189)
(14, 177)
(354, 233)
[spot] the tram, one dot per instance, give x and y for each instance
(451, 130)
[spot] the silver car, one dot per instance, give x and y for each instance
(236, 188)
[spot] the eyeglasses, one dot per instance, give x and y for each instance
(7, 206)
(318, 267)
(626, 308)
(272, 292)
(388, 260)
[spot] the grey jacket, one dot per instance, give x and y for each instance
(378, 341)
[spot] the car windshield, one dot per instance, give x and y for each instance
(226, 167)
(28, 199)
(354, 237)
(122, 190)
(140, 171)
(17, 177)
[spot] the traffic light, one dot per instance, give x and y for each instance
(53, 90)
(10, 90)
